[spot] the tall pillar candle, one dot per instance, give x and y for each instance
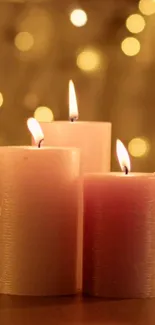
(119, 235)
(93, 138)
(39, 215)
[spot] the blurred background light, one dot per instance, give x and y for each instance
(147, 7)
(130, 46)
(31, 100)
(89, 60)
(1, 99)
(78, 17)
(43, 114)
(24, 41)
(139, 147)
(37, 22)
(135, 23)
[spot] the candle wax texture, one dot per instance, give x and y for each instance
(93, 138)
(119, 235)
(39, 211)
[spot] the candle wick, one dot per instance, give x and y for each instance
(73, 119)
(126, 170)
(39, 143)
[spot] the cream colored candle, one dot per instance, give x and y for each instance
(40, 207)
(119, 234)
(93, 138)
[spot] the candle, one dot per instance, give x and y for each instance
(93, 138)
(119, 233)
(39, 211)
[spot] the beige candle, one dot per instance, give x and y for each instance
(40, 207)
(93, 138)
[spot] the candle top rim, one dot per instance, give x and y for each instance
(77, 122)
(119, 174)
(42, 148)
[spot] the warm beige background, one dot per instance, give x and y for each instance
(122, 91)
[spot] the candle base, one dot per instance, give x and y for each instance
(40, 207)
(119, 236)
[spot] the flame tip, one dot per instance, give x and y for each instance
(73, 108)
(71, 83)
(35, 129)
(118, 141)
(122, 154)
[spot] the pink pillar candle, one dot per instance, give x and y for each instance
(93, 138)
(119, 235)
(39, 215)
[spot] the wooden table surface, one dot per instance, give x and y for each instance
(75, 311)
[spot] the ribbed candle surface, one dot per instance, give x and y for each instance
(93, 138)
(39, 215)
(119, 235)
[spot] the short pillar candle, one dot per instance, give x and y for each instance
(39, 215)
(119, 235)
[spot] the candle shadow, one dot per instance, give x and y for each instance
(127, 311)
(11, 301)
(75, 310)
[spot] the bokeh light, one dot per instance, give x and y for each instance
(78, 17)
(43, 114)
(130, 46)
(1, 99)
(147, 7)
(135, 23)
(24, 41)
(37, 22)
(89, 60)
(139, 147)
(31, 100)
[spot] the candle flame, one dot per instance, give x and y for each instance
(123, 156)
(73, 108)
(35, 129)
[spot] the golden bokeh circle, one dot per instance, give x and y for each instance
(139, 147)
(1, 99)
(24, 41)
(130, 46)
(147, 7)
(135, 23)
(78, 17)
(89, 60)
(43, 114)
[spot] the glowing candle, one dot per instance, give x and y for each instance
(36, 130)
(93, 138)
(119, 233)
(40, 207)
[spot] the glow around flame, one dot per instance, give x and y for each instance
(73, 108)
(35, 129)
(123, 156)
